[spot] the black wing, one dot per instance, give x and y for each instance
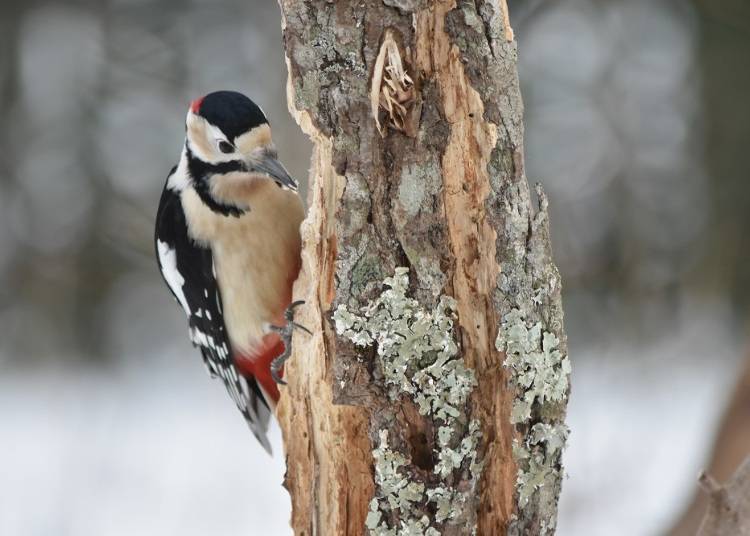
(187, 268)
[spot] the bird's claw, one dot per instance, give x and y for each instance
(286, 336)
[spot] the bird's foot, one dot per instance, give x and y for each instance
(286, 337)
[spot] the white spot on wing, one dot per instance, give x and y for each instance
(168, 260)
(199, 337)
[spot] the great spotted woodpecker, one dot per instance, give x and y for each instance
(228, 246)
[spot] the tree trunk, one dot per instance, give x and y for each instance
(431, 397)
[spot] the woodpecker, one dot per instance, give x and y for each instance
(228, 246)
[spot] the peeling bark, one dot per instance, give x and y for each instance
(442, 193)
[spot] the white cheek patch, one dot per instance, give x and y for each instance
(168, 260)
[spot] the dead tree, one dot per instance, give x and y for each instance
(431, 397)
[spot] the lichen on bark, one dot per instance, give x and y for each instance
(446, 197)
(540, 376)
(418, 358)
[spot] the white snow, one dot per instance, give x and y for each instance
(153, 447)
(643, 415)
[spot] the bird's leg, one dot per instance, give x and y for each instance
(286, 337)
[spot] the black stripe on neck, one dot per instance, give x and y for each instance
(201, 172)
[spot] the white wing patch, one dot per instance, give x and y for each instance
(168, 260)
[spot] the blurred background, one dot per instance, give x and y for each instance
(638, 123)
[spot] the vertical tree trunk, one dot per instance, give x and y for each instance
(431, 398)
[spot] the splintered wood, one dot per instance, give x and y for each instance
(392, 88)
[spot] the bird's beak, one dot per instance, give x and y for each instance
(270, 166)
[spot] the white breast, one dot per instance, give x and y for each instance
(256, 258)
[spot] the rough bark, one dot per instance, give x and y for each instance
(429, 401)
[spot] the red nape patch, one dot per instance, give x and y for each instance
(259, 365)
(195, 106)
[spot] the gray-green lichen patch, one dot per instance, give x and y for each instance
(397, 489)
(416, 348)
(540, 372)
(396, 493)
(418, 357)
(539, 368)
(539, 458)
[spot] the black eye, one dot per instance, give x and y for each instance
(226, 147)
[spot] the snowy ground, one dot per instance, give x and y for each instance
(640, 436)
(144, 451)
(157, 449)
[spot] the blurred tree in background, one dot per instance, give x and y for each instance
(93, 96)
(724, 56)
(616, 130)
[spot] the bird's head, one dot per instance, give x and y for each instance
(229, 147)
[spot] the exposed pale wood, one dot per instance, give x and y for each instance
(327, 449)
(442, 192)
(466, 186)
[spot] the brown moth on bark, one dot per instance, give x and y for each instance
(431, 397)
